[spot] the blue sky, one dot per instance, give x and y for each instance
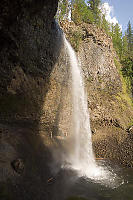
(121, 10)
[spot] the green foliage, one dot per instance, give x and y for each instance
(128, 42)
(124, 46)
(63, 10)
(127, 71)
(130, 38)
(94, 7)
(128, 67)
(81, 13)
(117, 39)
(77, 10)
(105, 25)
(124, 95)
(75, 39)
(127, 57)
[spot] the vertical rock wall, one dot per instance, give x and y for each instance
(30, 89)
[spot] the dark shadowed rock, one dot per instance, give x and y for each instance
(18, 165)
(30, 44)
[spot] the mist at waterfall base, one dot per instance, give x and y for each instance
(79, 173)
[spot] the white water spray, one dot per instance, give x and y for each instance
(81, 156)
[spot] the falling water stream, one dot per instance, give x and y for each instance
(81, 131)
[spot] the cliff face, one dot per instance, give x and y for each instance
(28, 39)
(30, 45)
(109, 104)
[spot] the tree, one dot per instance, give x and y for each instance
(130, 37)
(81, 13)
(94, 7)
(117, 39)
(63, 10)
(124, 46)
(127, 59)
(127, 72)
(76, 11)
(105, 25)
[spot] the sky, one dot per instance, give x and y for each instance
(120, 11)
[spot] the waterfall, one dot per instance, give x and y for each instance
(81, 131)
(80, 155)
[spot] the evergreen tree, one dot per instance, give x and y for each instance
(130, 37)
(127, 72)
(105, 25)
(76, 14)
(127, 59)
(94, 7)
(117, 39)
(125, 46)
(81, 13)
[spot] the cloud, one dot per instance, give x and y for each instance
(108, 11)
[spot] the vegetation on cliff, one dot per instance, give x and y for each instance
(80, 11)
